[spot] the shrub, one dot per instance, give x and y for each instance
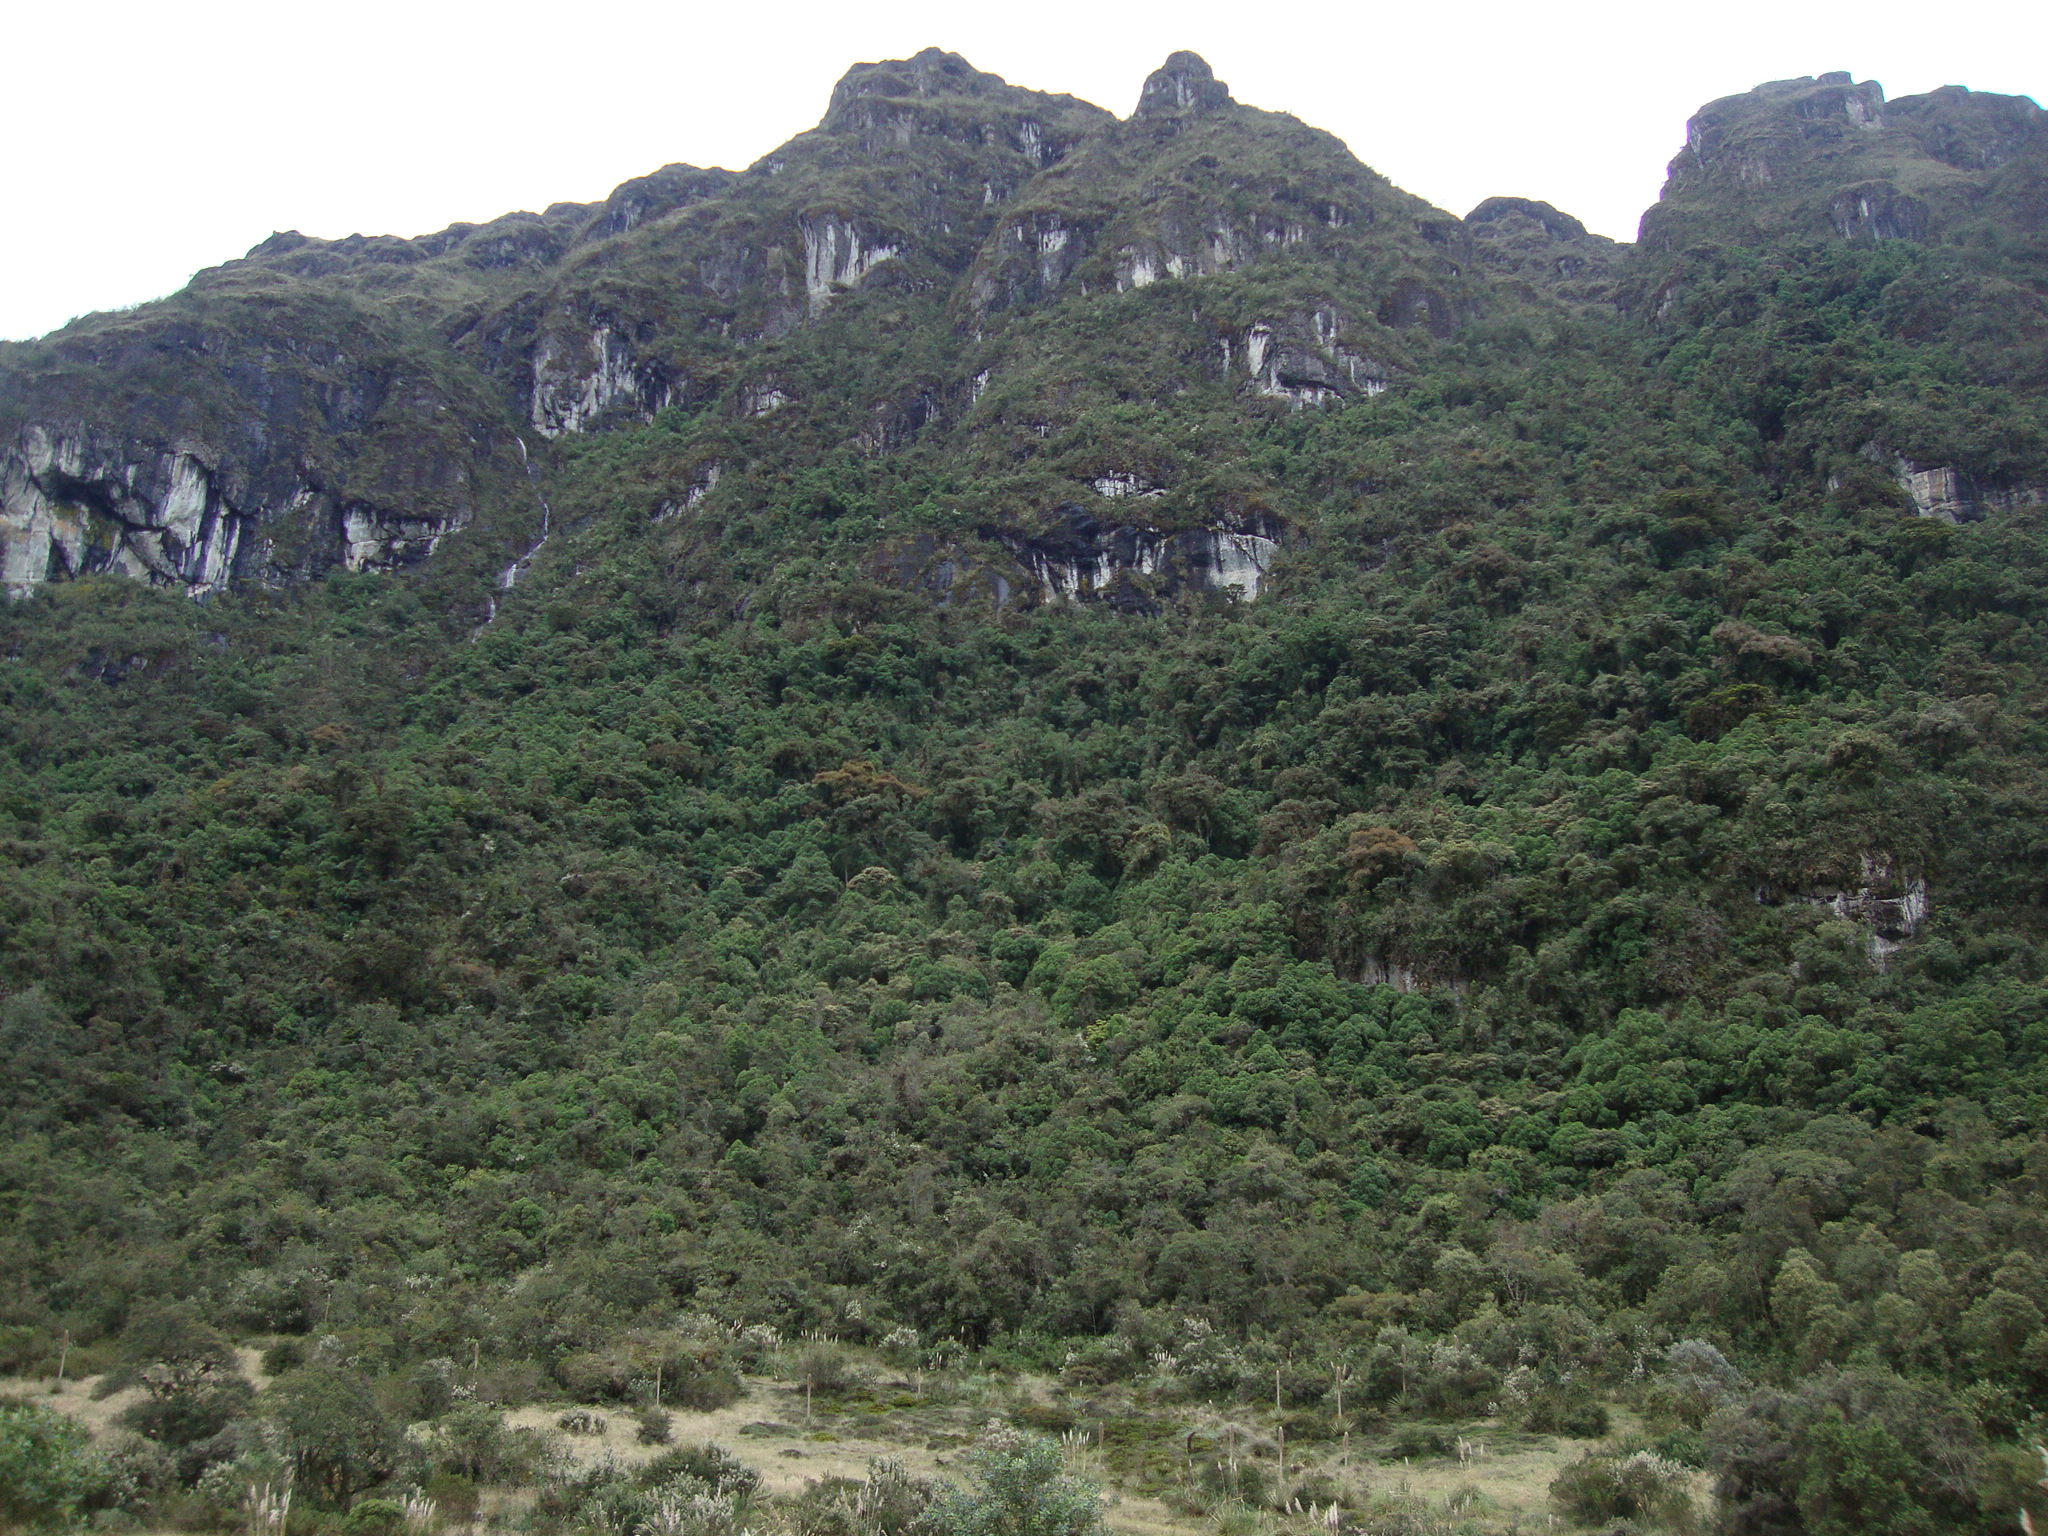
(229, 1487)
(1019, 1488)
(708, 1390)
(285, 1355)
(475, 1442)
(712, 1465)
(375, 1517)
(693, 1372)
(1418, 1442)
(48, 1468)
(827, 1368)
(454, 1495)
(138, 1474)
(889, 1502)
(656, 1426)
(179, 1415)
(1641, 1486)
(1566, 1413)
(1848, 1452)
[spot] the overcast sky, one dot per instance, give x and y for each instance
(144, 141)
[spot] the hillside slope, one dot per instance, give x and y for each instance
(1095, 744)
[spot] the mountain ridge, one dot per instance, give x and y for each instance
(552, 307)
(1103, 753)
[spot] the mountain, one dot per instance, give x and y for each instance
(1094, 747)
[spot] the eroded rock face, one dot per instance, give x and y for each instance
(1305, 360)
(1946, 492)
(72, 503)
(1890, 904)
(1184, 83)
(578, 382)
(1825, 156)
(1079, 558)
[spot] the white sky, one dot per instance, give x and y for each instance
(146, 140)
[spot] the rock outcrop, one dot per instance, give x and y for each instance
(71, 505)
(1829, 157)
(1077, 557)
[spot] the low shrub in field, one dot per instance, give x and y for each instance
(1640, 1486)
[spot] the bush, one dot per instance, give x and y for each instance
(1020, 1488)
(889, 1502)
(693, 1373)
(474, 1442)
(706, 1391)
(138, 1474)
(229, 1487)
(1848, 1452)
(375, 1517)
(284, 1355)
(667, 1497)
(179, 1415)
(656, 1426)
(48, 1468)
(827, 1368)
(1640, 1486)
(454, 1495)
(1418, 1442)
(1575, 1414)
(712, 1465)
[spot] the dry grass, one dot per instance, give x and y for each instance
(766, 1428)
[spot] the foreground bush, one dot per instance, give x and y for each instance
(1640, 1486)
(48, 1468)
(1846, 1453)
(1020, 1487)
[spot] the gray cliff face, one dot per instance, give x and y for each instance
(1954, 495)
(1079, 557)
(1887, 902)
(72, 504)
(359, 402)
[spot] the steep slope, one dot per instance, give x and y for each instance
(1127, 753)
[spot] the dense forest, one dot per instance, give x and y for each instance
(1566, 940)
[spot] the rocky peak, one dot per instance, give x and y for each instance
(1814, 112)
(1821, 157)
(1556, 223)
(1544, 250)
(1184, 83)
(933, 72)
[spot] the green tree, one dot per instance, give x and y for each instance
(341, 1441)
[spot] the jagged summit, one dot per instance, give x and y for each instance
(1184, 83)
(929, 72)
(353, 403)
